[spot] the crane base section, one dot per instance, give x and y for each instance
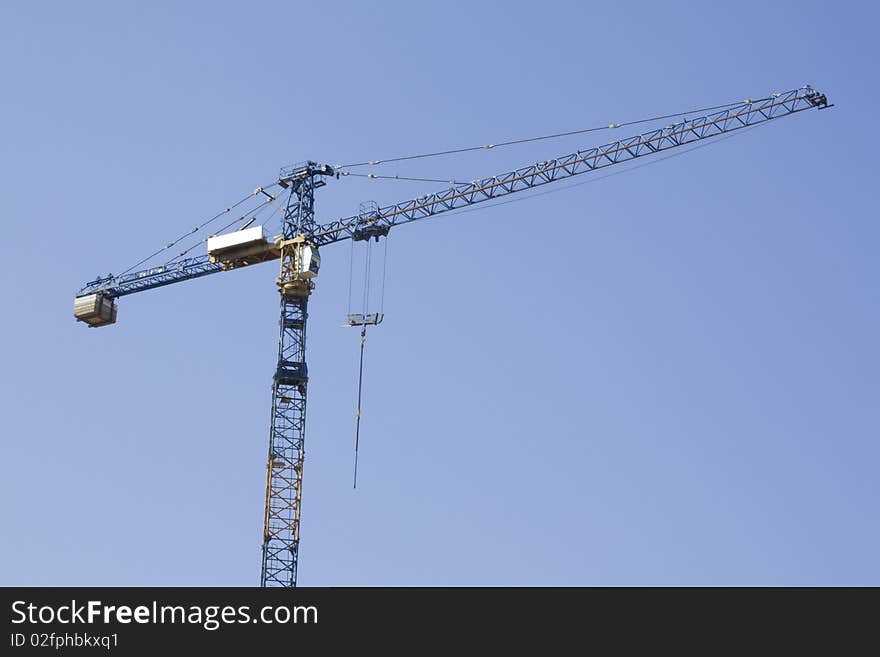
(95, 309)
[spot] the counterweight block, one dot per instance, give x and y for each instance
(95, 309)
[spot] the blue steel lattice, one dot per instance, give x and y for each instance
(284, 467)
(286, 447)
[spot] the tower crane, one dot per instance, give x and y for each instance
(297, 249)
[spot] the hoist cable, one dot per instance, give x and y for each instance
(357, 429)
(384, 270)
(513, 142)
(472, 209)
(350, 275)
(367, 268)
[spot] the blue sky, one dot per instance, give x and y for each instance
(668, 376)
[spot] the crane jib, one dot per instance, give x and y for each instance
(565, 167)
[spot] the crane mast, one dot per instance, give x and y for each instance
(287, 431)
(297, 250)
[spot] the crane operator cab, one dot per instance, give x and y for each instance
(309, 261)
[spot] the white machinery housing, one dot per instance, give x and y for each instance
(241, 248)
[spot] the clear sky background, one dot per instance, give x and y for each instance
(668, 376)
